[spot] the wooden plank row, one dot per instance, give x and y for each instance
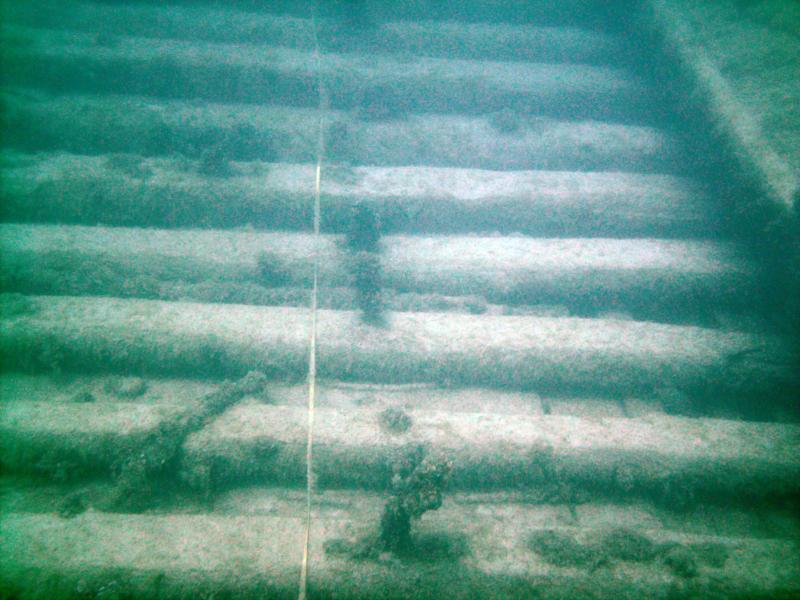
(169, 192)
(648, 278)
(589, 13)
(669, 459)
(452, 39)
(74, 388)
(379, 86)
(672, 461)
(26, 494)
(469, 553)
(95, 124)
(125, 436)
(69, 440)
(566, 355)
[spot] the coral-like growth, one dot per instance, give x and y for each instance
(133, 483)
(255, 382)
(245, 142)
(220, 399)
(626, 544)
(72, 505)
(142, 470)
(681, 561)
(228, 394)
(560, 549)
(417, 487)
(83, 397)
(621, 544)
(218, 147)
(341, 140)
(395, 420)
(366, 273)
(126, 387)
(362, 243)
(364, 232)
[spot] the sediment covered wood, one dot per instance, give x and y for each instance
(647, 277)
(580, 457)
(380, 86)
(167, 192)
(71, 390)
(96, 124)
(564, 354)
(501, 41)
(589, 13)
(465, 554)
(69, 440)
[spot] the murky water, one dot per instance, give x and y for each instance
(392, 300)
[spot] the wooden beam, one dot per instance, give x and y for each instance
(168, 192)
(540, 354)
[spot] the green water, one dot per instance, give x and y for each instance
(488, 299)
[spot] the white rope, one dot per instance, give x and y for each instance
(312, 353)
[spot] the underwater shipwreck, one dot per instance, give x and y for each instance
(422, 299)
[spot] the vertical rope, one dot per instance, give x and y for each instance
(312, 353)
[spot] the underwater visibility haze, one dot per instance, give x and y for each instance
(382, 299)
